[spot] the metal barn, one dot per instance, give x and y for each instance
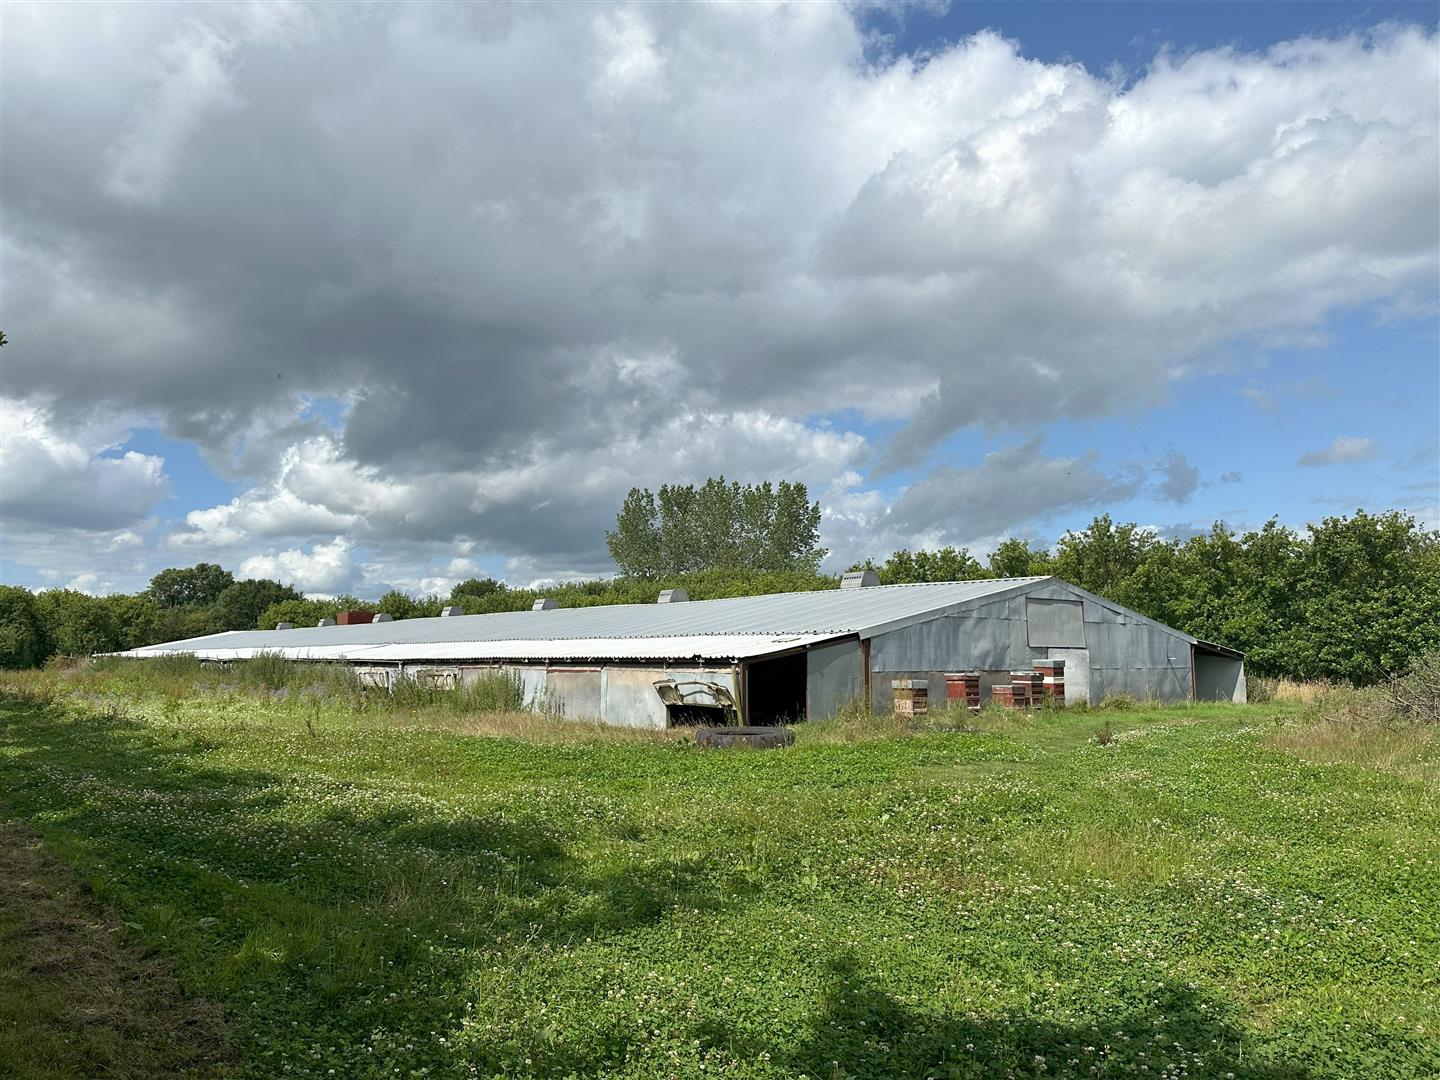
(779, 657)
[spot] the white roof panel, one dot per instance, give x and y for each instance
(693, 647)
(554, 633)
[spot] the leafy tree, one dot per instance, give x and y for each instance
(399, 605)
(22, 636)
(476, 587)
(1367, 597)
(76, 624)
(1015, 558)
(1104, 557)
(301, 612)
(197, 586)
(137, 620)
(240, 605)
(762, 528)
(946, 564)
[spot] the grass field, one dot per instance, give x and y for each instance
(308, 888)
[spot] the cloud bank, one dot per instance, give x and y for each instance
(539, 254)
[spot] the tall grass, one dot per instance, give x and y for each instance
(181, 676)
(500, 692)
(1385, 727)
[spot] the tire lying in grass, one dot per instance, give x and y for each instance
(761, 738)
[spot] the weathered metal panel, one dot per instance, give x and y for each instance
(532, 684)
(1055, 624)
(374, 678)
(629, 693)
(574, 693)
(431, 676)
(630, 699)
(833, 677)
(949, 643)
(1130, 656)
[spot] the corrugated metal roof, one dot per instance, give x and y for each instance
(831, 613)
(693, 647)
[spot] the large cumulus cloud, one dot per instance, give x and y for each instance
(540, 251)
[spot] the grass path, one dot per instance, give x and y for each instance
(1189, 900)
(79, 996)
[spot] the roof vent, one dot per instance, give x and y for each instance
(545, 604)
(382, 617)
(284, 626)
(859, 579)
(673, 596)
(326, 622)
(452, 609)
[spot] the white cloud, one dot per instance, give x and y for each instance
(1344, 450)
(58, 477)
(326, 569)
(87, 583)
(544, 257)
(557, 504)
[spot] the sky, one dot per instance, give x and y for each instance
(367, 297)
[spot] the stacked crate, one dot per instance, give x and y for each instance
(963, 688)
(1054, 673)
(912, 696)
(1020, 685)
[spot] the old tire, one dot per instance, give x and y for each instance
(761, 738)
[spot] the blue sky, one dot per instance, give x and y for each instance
(960, 286)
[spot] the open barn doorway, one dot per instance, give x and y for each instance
(775, 690)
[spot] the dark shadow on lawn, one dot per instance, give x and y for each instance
(516, 863)
(860, 1030)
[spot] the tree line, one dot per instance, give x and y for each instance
(1353, 597)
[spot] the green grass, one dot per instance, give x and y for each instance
(391, 894)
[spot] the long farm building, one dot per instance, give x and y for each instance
(775, 658)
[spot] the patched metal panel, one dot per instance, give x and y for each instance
(374, 678)
(434, 678)
(532, 684)
(630, 698)
(952, 643)
(573, 692)
(1055, 624)
(834, 677)
(1130, 656)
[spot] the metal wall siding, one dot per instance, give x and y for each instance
(833, 677)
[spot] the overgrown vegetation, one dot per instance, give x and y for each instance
(378, 892)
